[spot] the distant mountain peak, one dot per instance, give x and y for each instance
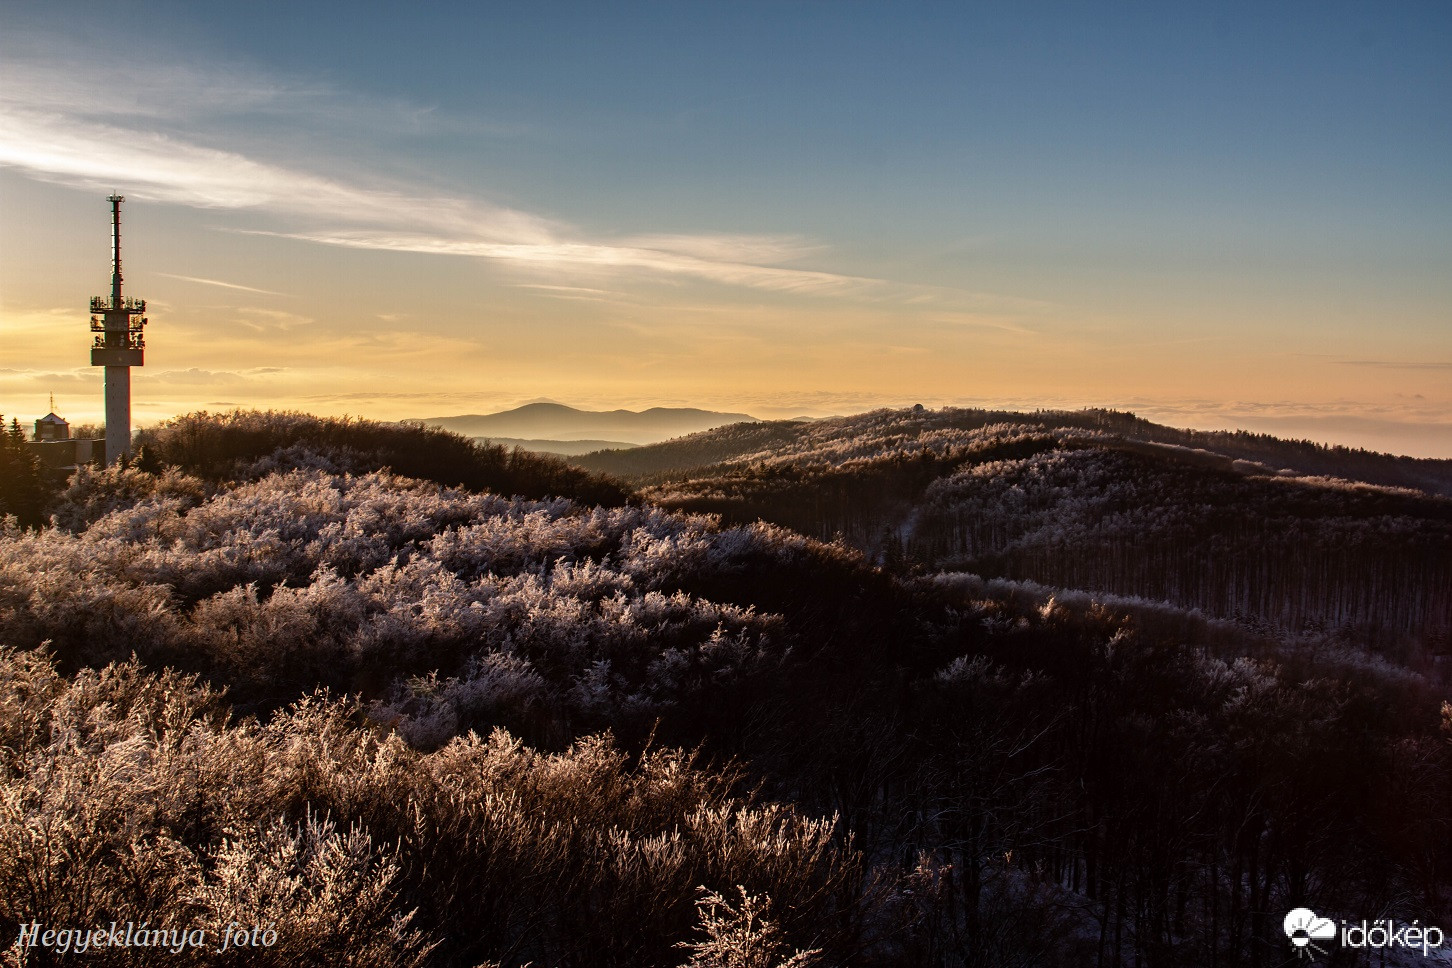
(538, 406)
(544, 420)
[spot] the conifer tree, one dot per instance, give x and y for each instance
(22, 489)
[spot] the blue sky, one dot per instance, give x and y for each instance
(1213, 214)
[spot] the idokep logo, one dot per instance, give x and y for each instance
(1303, 929)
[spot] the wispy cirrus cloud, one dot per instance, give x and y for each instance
(580, 293)
(262, 320)
(197, 376)
(573, 290)
(159, 138)
(598, 258)
(221, 284)
(63, 127)
(53, 147)
(1400, 364)
(61, 148)
(974, 320)
(168, 94)
(11, 371)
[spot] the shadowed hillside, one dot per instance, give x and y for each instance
(1241, 526)
(251, 443)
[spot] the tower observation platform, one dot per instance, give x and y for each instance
(119, 345)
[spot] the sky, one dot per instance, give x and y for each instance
(1215, 215)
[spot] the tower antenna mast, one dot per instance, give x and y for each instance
(116, 201)
(118, 346)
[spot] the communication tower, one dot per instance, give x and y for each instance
(119, 345)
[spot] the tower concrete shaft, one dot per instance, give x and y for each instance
(118, 413)
(119, 345)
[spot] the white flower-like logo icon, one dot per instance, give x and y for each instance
(1304, 929)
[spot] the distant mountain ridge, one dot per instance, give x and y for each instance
(557, 422)
(801, 442)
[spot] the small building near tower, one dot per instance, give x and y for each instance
(52, 427)
(58, 451)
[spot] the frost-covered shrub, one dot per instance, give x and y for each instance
(740, 935)
(126, 795)
(361, 583)
(94, 492)
(329, 895)
(493, 687)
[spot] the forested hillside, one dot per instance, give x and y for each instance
(410, 723)
(229, 446)
(914, 430)
(1233, 524)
